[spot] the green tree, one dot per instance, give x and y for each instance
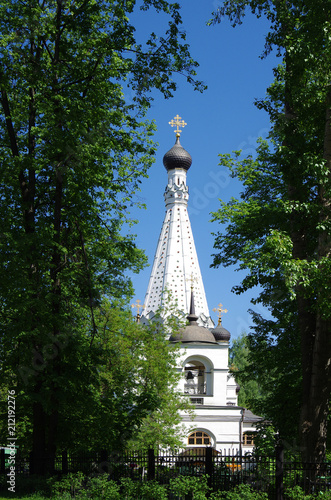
(111, 387)
(282, 223)
(266, 365)
(135, 378)
(73, 152)
(239, 355)
(163, 428)
(275, 363)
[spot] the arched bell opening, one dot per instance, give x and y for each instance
(198, 376)
(195, 378)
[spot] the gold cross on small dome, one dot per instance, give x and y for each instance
(219, 309)
(177, 122)
(138, 305)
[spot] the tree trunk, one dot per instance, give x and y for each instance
(56, 264)
(38, 439)
(317, 387)
(313, 338)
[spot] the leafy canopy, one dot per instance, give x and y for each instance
(75, 147)
(279, 230)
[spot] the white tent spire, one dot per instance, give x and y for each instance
(176, 267)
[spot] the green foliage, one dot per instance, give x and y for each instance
(129, 488)
(240, 492)
(264, 439)
(71, 485)
(185, 485)
(297, 493)
(75, 147)
(78, 486)
(239, 361)
(279, 231)
(162, 426)
(152, 489)
(135, 380)
(128, 375)
(101, 487)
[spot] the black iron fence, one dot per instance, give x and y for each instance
(271, 474)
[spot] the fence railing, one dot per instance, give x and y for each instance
(263, 473)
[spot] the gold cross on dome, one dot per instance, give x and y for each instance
(177, 122)
(219, 309)
(138, 305)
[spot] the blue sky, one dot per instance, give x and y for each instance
(220, 120)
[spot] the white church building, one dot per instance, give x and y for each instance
(219, 422)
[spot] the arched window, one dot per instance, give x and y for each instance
(199, 438)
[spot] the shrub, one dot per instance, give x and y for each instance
(71, 484)
(129, 488)
(101, 488)
(240, 492)
(152, 490)
(185, 485)
(297, 493)
(324, 495)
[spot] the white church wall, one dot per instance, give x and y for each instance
(220, 378)
(231, 390)
(222, 424)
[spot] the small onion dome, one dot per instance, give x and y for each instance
(193, 332)
(177, 157)
(221, 334)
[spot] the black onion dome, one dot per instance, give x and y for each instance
(193, 332)
(221, 334)
(177, 157)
